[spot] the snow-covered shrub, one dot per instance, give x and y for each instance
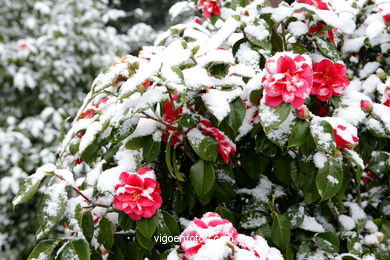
(50, 51)
(258, 126)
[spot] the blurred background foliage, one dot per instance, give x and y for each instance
(50, 51)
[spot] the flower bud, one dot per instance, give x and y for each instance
(302, 112)
(366, 106)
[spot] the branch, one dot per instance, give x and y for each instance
(93, 204)
(274, 3)
(160, 121)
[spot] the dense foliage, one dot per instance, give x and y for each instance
(254, 130)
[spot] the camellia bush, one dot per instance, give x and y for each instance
(256, 130)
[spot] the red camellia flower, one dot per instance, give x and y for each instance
(209, 7)
(138, 194)
(23, 46)
(225, 145)
(319, 4)
(329, 79)
(170, 117)
(198, 231)
(345, 134)
(339, 138)
(368, 177)
(89, 113)
(386, 18)
(324, 34)
(288, 79)
(387, 96)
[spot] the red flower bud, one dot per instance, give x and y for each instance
(302, 112)
(366, 105)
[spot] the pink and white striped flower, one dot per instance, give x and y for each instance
(288, 78)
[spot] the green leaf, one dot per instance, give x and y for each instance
(254, 165)
(74, 148)
(276, 41)
(147, 226)
(125, 222)
(380, 162)
(151, 149)
(43, 249)
(176, 167)
(328, 241)
(205, 148)
(282, 169)
(126, 128)
(28, 187)
(224, 191)
(295, 216)
(116, 253)
(146, 243)
(135, 143)
(299, 133)
(237, 114)
(329, 179)
(322, 133)
(327, 48)
(280, 232)
(273, 117)
(51, 209)
(76, 249)
(242, 3)
(218, 71)
(202, 177)
(106, 235)
(87, 226)
(309, 188)
(179, 202)
(236, 45)
(90, 153)
(179, 73)
(255, 96)
(299, 48)
(188, 120)
(167, 224)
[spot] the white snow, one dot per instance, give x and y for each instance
(320, 159)
(311, 224)
(347, 222)
(297, 28)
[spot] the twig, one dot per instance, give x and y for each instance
(159, 121)
(94, 204)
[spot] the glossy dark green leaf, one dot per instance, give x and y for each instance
(206, 148)
(280, 232)
(167, 224)
(202, 177)
(87, 226)
(150, 149)
(328, 241)
(329, 179)
(135, 143)
(299, 133)
(106, 235)
(327, 48)
(43, 249)
(147, 226)
(77, 249)
(237, 114)
(322, 133)
(125, 222)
